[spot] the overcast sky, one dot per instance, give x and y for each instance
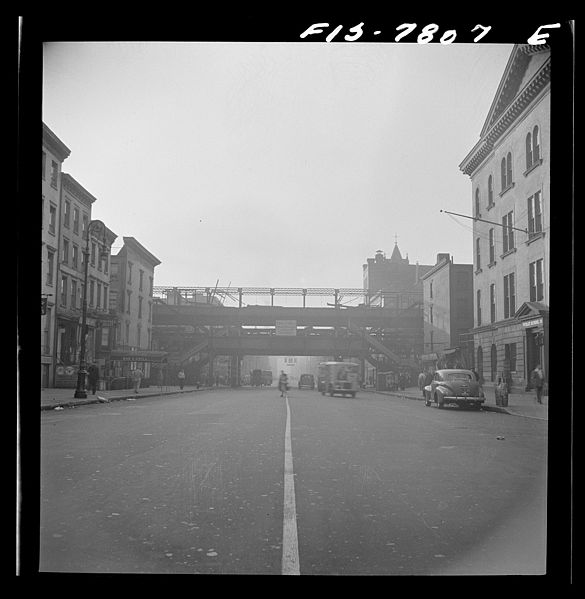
(274, 165)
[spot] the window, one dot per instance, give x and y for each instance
(65, 251)
(93, 248)
(141, 282)
(492, 302)
(63, 291)
(75, 256)
(492, 244)
(490, 191)
(477, 206)
(74, 294)
(508, 235)
(128, 293)
(533, 148)
(99, 296)
(480, 362)
(509, 296)
(52, 218)
(106, 262)
(50, 267)
(91, 292)
(535, 145)
(431, 314)
(534, 214)
(67, 213)
(139, 307)
(149, 311)
(130, 273)
(76, 219)
(151, 286)
(431, 289)
(478, 254)
(54, 174)
(510, 357)
(493, 362)
(44, 164)
(127, 333)
(84, 226)
(138, 334)
(536, 281)
(105, 304)
(478, 307)
(506, 172)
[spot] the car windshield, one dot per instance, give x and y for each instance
(459, 376)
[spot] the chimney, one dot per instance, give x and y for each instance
(442, 257)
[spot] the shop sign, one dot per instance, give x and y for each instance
(534, 322)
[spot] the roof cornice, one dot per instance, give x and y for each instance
(139, 248)
(74, 187)
(485, 145)
(53, 143)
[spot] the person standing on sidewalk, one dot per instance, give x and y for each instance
(93, 375)
(537, 380)
(181, 377)
(137, 375)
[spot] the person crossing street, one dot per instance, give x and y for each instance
(283, 384)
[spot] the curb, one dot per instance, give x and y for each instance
(85, 402)
(487, 408)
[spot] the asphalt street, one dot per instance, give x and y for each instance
(201, 483)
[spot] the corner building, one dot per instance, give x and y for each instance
(509, 169)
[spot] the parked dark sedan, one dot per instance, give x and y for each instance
(456, 387)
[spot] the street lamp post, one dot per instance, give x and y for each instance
(99, 227)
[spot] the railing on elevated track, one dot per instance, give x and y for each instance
(340, 298)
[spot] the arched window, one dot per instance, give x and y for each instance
(477, 212)
(490, 191)
(480, 362)
(494, 362)
(528, 151)
(509, 169)
(477, 254)
(535, 144)
(503, 173)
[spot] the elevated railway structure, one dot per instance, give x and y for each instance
(196, 324)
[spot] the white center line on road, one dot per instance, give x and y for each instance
(290, 544)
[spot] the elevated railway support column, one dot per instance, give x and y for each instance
(235, 370)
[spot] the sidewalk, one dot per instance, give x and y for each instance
(519, 404)
(64, 398)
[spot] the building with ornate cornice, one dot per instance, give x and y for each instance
(55, 152)
(76, 206)
(509, 168)
(131, 299)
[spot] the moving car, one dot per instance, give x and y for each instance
(339, 378)
(454, 386)
(307, 381)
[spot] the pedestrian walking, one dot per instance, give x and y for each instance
(537, 380)
(283, 384)
(137, 375)
(93, 375)
(421, 382)
(181, 377)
